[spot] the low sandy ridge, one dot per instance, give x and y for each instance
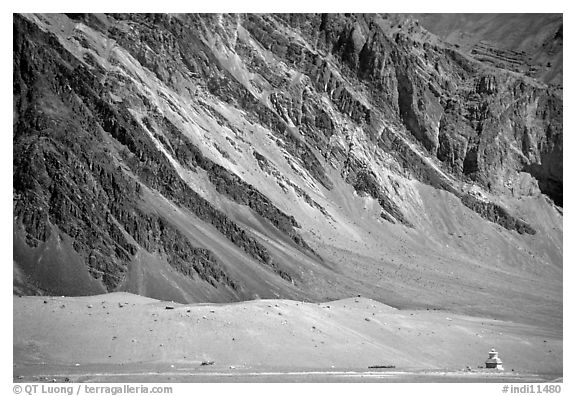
(122, 332)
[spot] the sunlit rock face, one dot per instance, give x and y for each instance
(231, 157)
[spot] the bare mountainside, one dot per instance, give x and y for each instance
(223, 158)
(528, 43)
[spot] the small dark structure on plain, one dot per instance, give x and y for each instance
(493, 361)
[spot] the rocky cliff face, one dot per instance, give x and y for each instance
(223, 157)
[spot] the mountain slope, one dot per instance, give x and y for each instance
(231, 157)
(530, 43)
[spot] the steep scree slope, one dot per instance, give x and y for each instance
(229, 157)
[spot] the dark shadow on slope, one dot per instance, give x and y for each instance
(549, 183)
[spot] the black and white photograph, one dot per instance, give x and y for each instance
(287, 198)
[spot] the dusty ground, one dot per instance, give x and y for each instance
(124, 337)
